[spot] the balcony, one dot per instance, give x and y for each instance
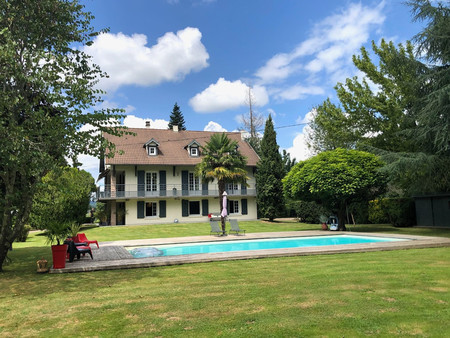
(130, 191)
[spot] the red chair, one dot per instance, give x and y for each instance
(83, 239)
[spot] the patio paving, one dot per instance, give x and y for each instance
(113, 255)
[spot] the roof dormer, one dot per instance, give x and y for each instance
(152, 147)
(193, 149)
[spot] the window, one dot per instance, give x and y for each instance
(152, 150)
(231, 187)
(194, 151)
(151, 181)
(194, 182)
(194, 207)
(234, 207)
(150, 209)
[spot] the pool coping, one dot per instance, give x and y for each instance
(113, 255)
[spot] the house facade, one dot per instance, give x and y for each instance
(151, 179)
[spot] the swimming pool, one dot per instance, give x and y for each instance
(255, 244)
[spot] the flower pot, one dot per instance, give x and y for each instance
(324, 226)
(59, 253)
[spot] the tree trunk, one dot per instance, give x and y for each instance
(341, 217)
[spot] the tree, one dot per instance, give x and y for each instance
(270, 171)
(176, 118)
(47, 94)
(432, 111)
(288, 163)
(63, 197)
(252, 122)
(335, 179)
(223, 162)
(374, 115)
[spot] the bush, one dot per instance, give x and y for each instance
(24, 233)
(307, 212)
(396, 211)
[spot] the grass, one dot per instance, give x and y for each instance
(391, 293)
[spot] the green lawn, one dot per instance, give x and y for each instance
(391, 293)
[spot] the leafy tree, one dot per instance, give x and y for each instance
(335, 179)
(288, 163)
(432, 111)
(270, 172)
(176, 118)
(372, 115)
(223, 162)
(63, 197)
(47, 94)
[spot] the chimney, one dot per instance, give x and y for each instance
(175, 128)
(147, 124)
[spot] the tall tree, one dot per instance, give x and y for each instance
(222, 162)
(335, 179)
(252, 122)
(176, 118)
(288, 163)
(47, 94)
(270, 172)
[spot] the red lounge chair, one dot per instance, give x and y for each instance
(83, 239)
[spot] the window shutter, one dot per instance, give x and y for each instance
(244, 206)
(184, 183)
(140, 209)
(184, 208)
(162, 209)
(141, 183)
(244, 189)
(205, 210)
(162, 183)
(205, 189)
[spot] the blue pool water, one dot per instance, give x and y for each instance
(254, 244)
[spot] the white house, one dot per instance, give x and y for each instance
(151, 179)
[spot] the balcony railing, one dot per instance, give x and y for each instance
(125, 191)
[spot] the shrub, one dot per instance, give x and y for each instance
(24, 233)
(396, 211)
(307, 212)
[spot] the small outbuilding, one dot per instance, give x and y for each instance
(433, 210)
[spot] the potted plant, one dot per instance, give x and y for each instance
(56, 233)
(74, 229)
(323, 219)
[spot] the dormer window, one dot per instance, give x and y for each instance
(193, 149)
(152, 147)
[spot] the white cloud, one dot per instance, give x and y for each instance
(213, 126)
(128, 61)
(328, 49)
(224, 95)
(299, 149)
(132, 121)
(298, 92)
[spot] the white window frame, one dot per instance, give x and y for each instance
(234, 207)
(193, 151)
(193, 182)
(154, 210)
(152, 183)
(199, 208)
(152, 150)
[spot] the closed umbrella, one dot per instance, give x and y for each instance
(224, 205)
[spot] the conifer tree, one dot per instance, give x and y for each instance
(176, 118)
(270, 172)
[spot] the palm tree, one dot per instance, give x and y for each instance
(223, 162)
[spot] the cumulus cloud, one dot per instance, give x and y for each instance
(298, 92)
(129, 61)
(299, 148)
(328, 49)
(132, 121)
(213, 126)
(224, 95)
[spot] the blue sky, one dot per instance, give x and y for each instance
(203, 54)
